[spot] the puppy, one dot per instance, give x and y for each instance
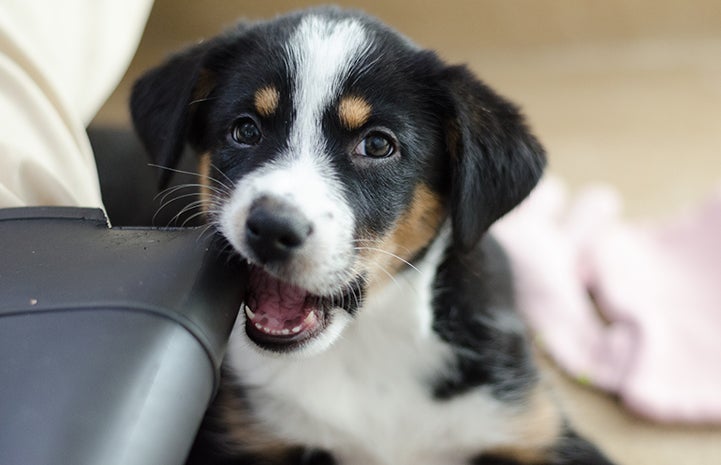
(357, 174)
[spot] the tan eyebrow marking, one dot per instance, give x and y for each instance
(266, 100)
(354, 111)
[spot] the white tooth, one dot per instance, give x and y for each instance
(285, 332)
(258, 325)
(310, 320)
(249, 313)
(295, 330)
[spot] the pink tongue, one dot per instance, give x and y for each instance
(276, 305)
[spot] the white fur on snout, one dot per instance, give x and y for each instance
(322, 264)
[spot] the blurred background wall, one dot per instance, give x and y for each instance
(621, 91)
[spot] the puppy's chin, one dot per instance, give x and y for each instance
(283, 318)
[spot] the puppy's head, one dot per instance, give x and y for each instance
(332, 151)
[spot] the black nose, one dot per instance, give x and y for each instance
(274, 229)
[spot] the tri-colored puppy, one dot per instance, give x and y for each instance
(357, 174)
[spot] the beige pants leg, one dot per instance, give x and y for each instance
(59, 61)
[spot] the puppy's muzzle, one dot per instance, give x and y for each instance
(274, 230)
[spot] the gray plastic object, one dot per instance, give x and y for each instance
(111, 339)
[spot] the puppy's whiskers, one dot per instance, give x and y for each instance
(201, 100)
(365, 262)
(209, 228)
(382, 242)
(167, 202)
(230, 181)
(209, 205)
(193, 216)
(224, 188)
(187, 209)
(390, 254)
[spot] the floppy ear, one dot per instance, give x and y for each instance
(162, 104)
(495, 161)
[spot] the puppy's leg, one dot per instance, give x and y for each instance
(315, 457)
(229, 435)
(543, 437)
(570, 449)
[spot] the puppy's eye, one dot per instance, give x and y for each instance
(376, 145)
(245, 131)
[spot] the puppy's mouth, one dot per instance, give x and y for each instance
(282, 317)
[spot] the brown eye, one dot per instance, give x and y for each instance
(245, 131)
(376, 145)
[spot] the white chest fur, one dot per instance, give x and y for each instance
(367, 399)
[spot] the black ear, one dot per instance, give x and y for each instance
(495, 161)
(162, 104)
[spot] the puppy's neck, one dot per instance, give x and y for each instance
(404, 303)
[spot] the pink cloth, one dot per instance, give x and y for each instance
(651, 333)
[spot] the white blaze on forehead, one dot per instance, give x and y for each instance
(321, 53)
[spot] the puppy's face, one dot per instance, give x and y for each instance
(333, 150)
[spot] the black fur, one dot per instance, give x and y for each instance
(161, 107)
(471, 292)
(573, 449)
(495, 159)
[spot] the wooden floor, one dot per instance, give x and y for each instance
(623, 92)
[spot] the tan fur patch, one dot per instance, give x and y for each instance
(243, 434)
(204, 166)
(266, 101)
(203, 86)
(453, 139)
(414, 230)
(538, 428)
(354, 112)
